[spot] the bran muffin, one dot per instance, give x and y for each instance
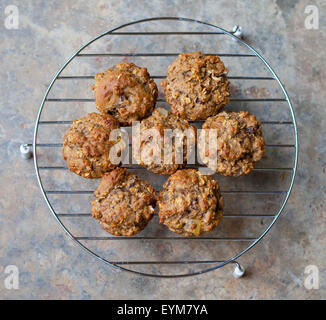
(123, 203)
(173, 135)
(126, 92)
(190, 203)
(87, 144)
(239, 144)
(196, 86)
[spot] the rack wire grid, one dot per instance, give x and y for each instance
(252, 203)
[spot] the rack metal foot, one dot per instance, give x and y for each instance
(26, 151)
(239, 270)
(237, 31)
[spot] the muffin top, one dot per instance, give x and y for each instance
(123, 203)
(196, 86)
(126, 92)
(237, 143)
(162, 147)
(190, 203)
(87, 144)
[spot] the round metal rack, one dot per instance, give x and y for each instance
(252, 203)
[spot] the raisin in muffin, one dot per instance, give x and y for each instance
(126, 92)
(196, 86)
(165, 144)
(190, 203)
(87, 145)
(123, 203)
(236, 143)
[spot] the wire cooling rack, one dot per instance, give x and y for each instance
(252, 203)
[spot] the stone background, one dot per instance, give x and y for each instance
(51, 265)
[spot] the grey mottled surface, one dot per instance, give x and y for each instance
(50, 264)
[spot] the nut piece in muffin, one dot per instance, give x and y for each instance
(165, 142)
(190, 203)
(196, 86)
(87, 145)
(123, 203)
(126, 92)
(233, 143)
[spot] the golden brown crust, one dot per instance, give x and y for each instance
(87, 144)
(196, 86)
(126, 92)
(161, 120)
(240, 143)
(190, 203)
(123, 203)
